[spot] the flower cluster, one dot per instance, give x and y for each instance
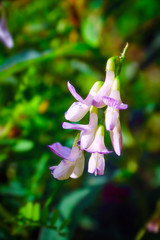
(91, 137)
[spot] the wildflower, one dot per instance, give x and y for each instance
(112, 116)
(96, 164)
(5, 36)
(98, 145)
(87, 131)
(72, 164)
(114, 105)
(91, 136)
(79, 109)
(104, 90)
(116, 138)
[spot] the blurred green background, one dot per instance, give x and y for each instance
(57, 41)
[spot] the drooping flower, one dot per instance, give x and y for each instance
(104, 90)
(79, 109)
(87, 131)
(114, 105)
(98, 145)
(72, 164)
(116, 138)
(96, 164)
(112, 122)
(5, 35)
(91, 136)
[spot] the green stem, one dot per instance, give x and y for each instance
(50, 199)
(121, 59)
(124, 51)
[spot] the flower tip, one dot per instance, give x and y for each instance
(66, 116)
(110, 64)
(68, 84)
(118, 152)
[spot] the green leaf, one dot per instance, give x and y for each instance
(48, 234)
(28, 210)
(22, 60)
(70, 202)
(44, 214)
(36, 212)
(55, 217)
(91, 30)
(64, 224)
(23, 145)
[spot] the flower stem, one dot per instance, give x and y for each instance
(124, 51)
(121, 59)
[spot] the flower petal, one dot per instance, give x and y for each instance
(104, 90)
(64, 170)
(75, 154)
(60, 150)
(5, 36)
(116, 138)
(76, 111)
(90, 96)
(98, 145)
(75, 126)
(74, 93)
(79, 166)
(87, 137)
(96, 164)
(111, 118)
(114, 103)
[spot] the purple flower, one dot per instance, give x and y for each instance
(112, 122)
(98, 145)
(5, 36)
(87, 131)
(104, 90)
(72, 164)
(116, 138)
(96, 164)
(79, 109)
(76, 111)
(114, 105)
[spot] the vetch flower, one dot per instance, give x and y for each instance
(112, 121)
(87, 131)
(104, 90)
(76, 111)
(115, 104)
(72, 164)
(91, 136)
(5, 36)
(96, 164)
(98, 145)
(116, 138)
(79, 109)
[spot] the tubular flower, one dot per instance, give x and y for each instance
(87, 131)
(116, 138)
(96, 164)
(114, 105)
(104, 90)
(98, 145)
(5, 36)
(112, 122)
(72, 164)
(79, 109)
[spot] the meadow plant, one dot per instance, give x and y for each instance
(91, 136)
